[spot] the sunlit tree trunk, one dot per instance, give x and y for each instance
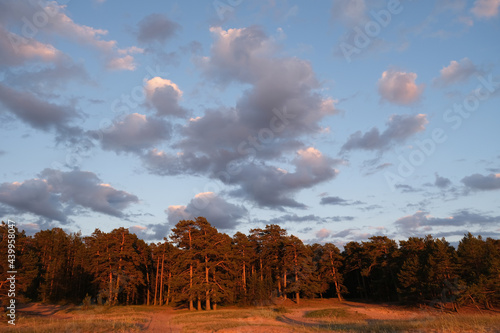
(161, 279)
(284, 283)
(244, 278)
(335, 278)
(191, 307)
(207, 292)
(156, 283)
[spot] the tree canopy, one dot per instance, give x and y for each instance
(198, 267)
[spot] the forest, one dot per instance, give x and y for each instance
(198, 267)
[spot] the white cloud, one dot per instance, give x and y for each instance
(56, 193)
(164, 96)
(456, 71)
(59, 23)
(15, 49)
(485, 8)
(220, 213)
(323, 233)
(399, 129)
(134, 133)
(422, 223)
(123, 63)
(399, 87)
(482, 183)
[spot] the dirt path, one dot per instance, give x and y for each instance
(162, 322)
(44, 310)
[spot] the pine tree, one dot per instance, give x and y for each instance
(411, 277)
(330, 262)
(243, 254)
(301, 267)
(381, 267)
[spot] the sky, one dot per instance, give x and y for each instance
(338, 120)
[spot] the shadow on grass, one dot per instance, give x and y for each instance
(369, 325)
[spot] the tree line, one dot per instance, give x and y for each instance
(200, 268)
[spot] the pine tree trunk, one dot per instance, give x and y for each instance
(297, 293)
(284, 284)
(244, 279)
(161, 279)
(156, 283)
(207, 300)
(117, 289)
(148, 281)
(207, 292)
(110, 286)
(149, 287)
(261, 273)
(335, 278)
(191, 307)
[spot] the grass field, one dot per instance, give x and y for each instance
(311, 316)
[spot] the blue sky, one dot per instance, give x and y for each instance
(337, 120)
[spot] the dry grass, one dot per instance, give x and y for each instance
(345, 322)
(256, 319)
(77, 319)
(324, 316)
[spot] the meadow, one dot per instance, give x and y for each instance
(279, 317)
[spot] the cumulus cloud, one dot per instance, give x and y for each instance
(121, 63)
(165, 164)
(482, 183)
(485, 8)
(284, 84)
(34, 196)
(281, 105)
(135, 133)
(32, 110)
(220, 213)
(46, 79)
(266, 185)
(60, 24)
(56, 193)
(274, 187)
(399, 87)
(322, 233)
(456, 71)
(137, 229)
(156, 28)
(352, 234)
(16, 50)
(442, 182)
(164, 96)
(399, 129)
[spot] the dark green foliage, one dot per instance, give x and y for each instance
(202, 268)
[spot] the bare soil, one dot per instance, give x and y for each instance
(162, 322)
